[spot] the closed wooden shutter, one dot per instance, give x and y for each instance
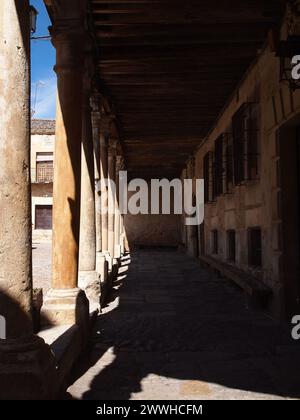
(43, 217)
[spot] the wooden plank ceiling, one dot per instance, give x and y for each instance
(169, 67)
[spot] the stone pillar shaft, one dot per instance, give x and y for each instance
(104, 197)
(87, 249)
(27, 369)
(15, 217)
(117, 227)
(111, 197)
(101, 263)
(67, 179)
(65, 303)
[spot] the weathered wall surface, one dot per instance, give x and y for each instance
(255, 203)
(40, 143)
(41, 193)
(153, 230)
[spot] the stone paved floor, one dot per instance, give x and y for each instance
(174, 331)
(41, 265)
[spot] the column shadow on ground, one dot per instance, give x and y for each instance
(171, 320)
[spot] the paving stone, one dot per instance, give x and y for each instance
(176, 331)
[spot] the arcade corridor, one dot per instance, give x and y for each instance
(173, 330)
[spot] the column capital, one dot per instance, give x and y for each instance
(105, 122)
(95, 107)
(95, 101)
(120, 163)
(68, 33)
(112, 147)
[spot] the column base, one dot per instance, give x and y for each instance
(27, 370)
(118, 252)
(109, 260)
(65, 307)
(102, 266)
(122, 245)
(89, 281)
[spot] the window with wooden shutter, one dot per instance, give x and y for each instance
(43, 217)
(206, 177)
(44, 167)
(245, 131)
(209, 177)
(218, 166)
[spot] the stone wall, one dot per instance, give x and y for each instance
(153, 230)
(40, 143)
(255, 203)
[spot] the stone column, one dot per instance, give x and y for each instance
(27, 369)
(104, 133)
(122, 235)
(117, 228)
(101, 263)
(88, 277)
(65, 302)
(111, 199)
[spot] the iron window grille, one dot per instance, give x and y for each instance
(245, 131)
(219, 169)
(209, 177)
(223, 164)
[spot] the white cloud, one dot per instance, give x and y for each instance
(43, 98)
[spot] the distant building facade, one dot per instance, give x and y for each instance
(42, 157)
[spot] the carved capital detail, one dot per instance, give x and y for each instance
(68, 33)
(112, 147)
(120, 164)
(293, 17)
(105, 121)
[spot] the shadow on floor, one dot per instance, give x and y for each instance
(172, 330)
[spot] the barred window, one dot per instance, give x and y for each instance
(223, 164)
(219, 166)
(44, 167)
(209, 178)
(245, 130)
(206, 177)
(228, 163)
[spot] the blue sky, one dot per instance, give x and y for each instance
(43, 78)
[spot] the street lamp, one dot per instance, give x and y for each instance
(33, 18)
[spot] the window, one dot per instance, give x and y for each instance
(219, 166)
(228, 164)
(43, 217)
(245, 130)
(44, 167)
(209, 178)
(254, 247)
(206, 176)
(223, 165)
(215, 242)
(231, 245)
